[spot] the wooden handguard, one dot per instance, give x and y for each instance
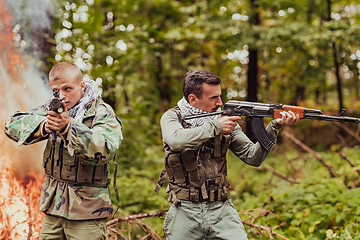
(294, 109)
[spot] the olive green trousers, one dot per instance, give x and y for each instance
(63, 229)
(204, 220)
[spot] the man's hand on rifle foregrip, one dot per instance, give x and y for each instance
(288, 118)
(57, 121)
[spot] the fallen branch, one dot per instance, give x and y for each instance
(342, 140)
(348, 130)
(159, 213)
(262, 212)
(290, 161)
(309, 150)
(151, 234)
(264, 230)
(343, 156)
(267, 229)
(267, 167)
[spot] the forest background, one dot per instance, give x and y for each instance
(304, 53)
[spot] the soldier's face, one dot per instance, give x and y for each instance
(210, 100)
(71, 90)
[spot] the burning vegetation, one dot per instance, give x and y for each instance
(20, 179)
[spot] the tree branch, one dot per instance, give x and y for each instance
(267, 167)
(159, 213)
(309, 150)
(352, 133)
(343, 156)
(269, 231)
(262, 212)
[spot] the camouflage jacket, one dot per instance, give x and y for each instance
(102, 138)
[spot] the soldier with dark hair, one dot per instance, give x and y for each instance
(75, 195)
(195, 161)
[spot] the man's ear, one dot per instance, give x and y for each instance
(192, 99)
(82, 85)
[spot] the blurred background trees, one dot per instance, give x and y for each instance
(292, 52)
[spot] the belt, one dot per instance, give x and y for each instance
(213, 195)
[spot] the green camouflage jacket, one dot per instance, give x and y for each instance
(97, 145)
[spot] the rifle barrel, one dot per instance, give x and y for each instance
(332, 118)
(308, 114)
(202, 115)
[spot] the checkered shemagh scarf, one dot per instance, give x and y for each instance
(188, 110)
(91, 92)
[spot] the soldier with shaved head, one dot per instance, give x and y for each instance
(75, 195)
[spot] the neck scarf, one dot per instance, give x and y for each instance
(188, 110)
(91, 92)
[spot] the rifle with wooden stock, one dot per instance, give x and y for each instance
(257, 111)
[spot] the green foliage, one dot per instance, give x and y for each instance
(139, 50)
(312, 209)
(137, 191)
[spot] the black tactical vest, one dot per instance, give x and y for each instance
(197, 173)
(59, 165)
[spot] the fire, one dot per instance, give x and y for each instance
(6, 43)
(20, 178)
(20, 217)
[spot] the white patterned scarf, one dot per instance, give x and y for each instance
(91, 92)
(188, 110)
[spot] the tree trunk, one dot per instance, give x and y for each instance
(338, 79)
(252, 73)
(163, 86)
(336, 62)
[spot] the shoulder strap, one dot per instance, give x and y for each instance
(162, 178)
(115, 187)
(179, 115)
(163, 175)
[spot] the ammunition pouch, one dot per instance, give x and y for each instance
(61, 166)
(197, 173)
(190, 169)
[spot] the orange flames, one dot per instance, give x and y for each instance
(19, 204)
(6, 42)
(20, 185)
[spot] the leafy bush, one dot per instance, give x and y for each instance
(318, 207)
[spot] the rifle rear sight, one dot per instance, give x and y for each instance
(55, 103)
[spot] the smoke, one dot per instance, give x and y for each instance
(23, 25)
(33, 17)
(34, 13)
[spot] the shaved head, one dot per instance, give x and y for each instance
(65, 70)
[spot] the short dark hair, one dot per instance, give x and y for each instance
(194, 79)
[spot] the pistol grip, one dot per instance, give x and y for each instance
(53, 135)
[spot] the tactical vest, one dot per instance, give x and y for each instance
(197, 173)
(59, 165)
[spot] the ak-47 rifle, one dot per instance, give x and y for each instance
(56, 106)
(257, 111)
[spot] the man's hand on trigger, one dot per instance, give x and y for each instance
(57, 121)
(228, 123)
(288, 118)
